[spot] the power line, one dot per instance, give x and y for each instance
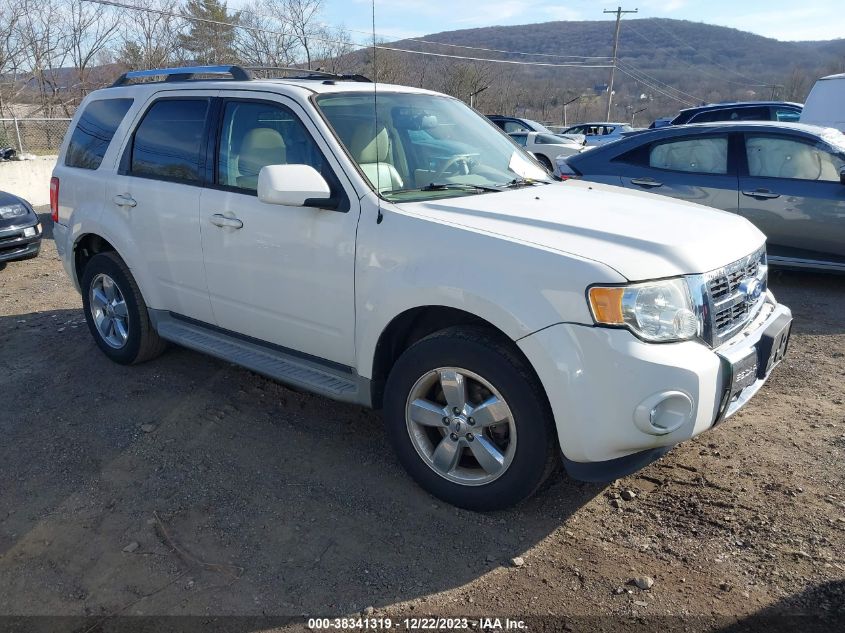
(657, 81)
(655, 88)
(113, 3)
(694, 66)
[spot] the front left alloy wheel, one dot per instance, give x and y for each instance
(469, 420)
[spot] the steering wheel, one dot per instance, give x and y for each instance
(455, 160)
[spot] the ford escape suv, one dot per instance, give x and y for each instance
(391, 247)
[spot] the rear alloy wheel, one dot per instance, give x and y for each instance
(469, 420)
(116, 313)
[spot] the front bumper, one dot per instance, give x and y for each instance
(617, 399)
(18, 242)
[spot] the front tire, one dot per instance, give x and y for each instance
(469, 421)
(116, 313)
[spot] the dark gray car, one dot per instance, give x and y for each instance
(20, 230)
(788, 179)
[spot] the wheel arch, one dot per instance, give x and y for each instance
(416, 323)
(84, 248)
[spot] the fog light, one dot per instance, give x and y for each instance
(663, 412)
(29, 231)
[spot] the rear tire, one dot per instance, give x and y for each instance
(491, 450)
(116, 312)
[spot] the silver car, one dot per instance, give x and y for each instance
(786, 178)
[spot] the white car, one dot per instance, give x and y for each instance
(825, 104)
(546, 147)
(599, 133)
(390, 248)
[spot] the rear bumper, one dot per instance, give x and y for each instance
(619, 402)
(61, 236)
(20, 242)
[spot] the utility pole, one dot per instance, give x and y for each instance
(619, 11)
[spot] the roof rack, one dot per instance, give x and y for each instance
(237, 73)
(310, 74)
(184, 73)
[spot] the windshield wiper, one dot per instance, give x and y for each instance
(523, 182)
(461, 186)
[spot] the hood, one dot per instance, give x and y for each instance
(641, 236)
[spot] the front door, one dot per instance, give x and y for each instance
(282, 275)
(791, 191)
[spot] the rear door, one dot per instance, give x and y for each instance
(791, 190)
(157, 189)
(697, 168)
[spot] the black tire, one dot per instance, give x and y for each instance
(545, 162)
(493, 358)
(143, 342)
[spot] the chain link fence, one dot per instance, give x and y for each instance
(33, 136)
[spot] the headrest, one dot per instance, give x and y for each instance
(261, 146)
(367, 147)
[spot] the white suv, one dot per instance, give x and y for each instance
(388, 246)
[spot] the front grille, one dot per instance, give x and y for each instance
(735, 294)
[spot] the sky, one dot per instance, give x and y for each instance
(395, 19)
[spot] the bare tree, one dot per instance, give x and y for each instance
(301, 17)
(11, 44)
(89, 29)
(266, 39)
(150, 38)
(333, 49)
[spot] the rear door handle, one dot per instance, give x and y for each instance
(646, 182)
(761, 194)
(124, 200)
(218, 219)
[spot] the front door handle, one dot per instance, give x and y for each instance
(218, 219)
(761, 194)
(124, 200)
(646, 182)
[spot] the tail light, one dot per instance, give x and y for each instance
(54, 198)
(565, 170)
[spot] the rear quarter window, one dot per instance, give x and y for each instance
(94, 132)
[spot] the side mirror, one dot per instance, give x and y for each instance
(294, 186)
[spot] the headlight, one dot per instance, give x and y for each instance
(13, 211)
(657, 311)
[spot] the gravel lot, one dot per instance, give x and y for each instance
(188, 486)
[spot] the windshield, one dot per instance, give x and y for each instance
(422, 146)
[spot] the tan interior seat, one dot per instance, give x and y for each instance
(372, 152)
(261, 146)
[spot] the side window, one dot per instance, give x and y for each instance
(705, 155)
(94, 132)
(521, 139)
(257, 134)
(513, 126)
(779, 157)
(547, 139)
(168, 142)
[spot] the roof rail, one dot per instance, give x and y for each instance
(310, 74)
(185, 73)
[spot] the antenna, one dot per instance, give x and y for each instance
(380, 215)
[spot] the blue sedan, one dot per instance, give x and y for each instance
(787, 179)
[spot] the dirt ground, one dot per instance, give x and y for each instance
(188, 486)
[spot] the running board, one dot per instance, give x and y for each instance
(302, 373)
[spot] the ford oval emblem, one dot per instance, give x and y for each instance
(752, 289)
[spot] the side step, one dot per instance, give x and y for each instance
(310, 375)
